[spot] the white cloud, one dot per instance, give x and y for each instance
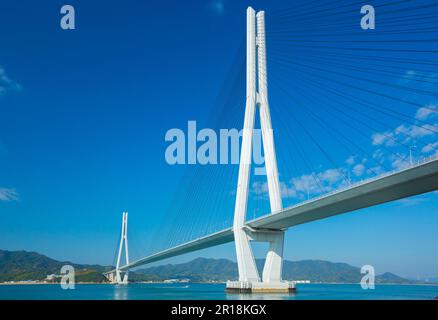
(428, 78)
(304, 186)
(376, 170)
(426, 112)
(261, 189)
(8, 194)
(410, 74)
(317, 183)
(382, 138)
(331, 176)
(217, 6)
(399, 162)
(305, 183)
(6, 83)
(378, 155)
(407, 77)
(359, 169)
(350, 160)
(407, 133)
(415, 131)
(430, 147)
(287, 192)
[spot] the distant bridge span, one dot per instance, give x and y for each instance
(415, 180)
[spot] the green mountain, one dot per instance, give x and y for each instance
(23, 265)
(324, 271)
(202, 269)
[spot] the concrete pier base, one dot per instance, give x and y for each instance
(260, 287)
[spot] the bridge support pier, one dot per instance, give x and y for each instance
(271, 281)
(249, 279)
(117, 277)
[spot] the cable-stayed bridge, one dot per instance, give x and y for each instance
(413, 179)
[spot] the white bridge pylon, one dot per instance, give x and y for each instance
(257, 99)
(118, 276)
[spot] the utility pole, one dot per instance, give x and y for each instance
(411, 161)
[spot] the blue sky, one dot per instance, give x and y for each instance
(84, 114)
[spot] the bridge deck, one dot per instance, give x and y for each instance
(211, 240)
(408, 182)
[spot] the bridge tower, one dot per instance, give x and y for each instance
(257, 99)
(118, 276)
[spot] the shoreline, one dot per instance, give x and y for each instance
(161, 282)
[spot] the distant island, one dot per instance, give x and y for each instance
(24, 266)
(19, 266)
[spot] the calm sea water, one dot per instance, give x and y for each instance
(211, 291)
